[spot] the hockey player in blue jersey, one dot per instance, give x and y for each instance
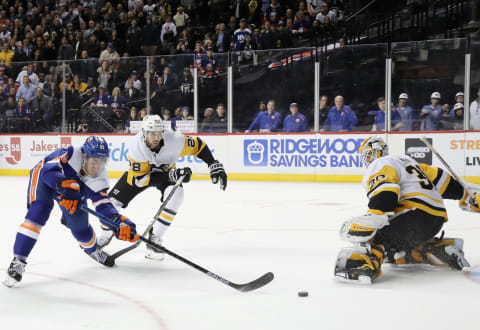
(69, 176)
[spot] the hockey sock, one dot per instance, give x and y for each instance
(87, 239)
(163, 222)
(27, 236)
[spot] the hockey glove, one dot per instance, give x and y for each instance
(69, 195)
(218, 174)
(126, 229)
(175, 173)
(469, 203)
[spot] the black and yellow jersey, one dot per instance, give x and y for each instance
(398, 183)
(173, 145)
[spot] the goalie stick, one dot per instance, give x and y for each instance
(250, 286)
(452, 172)
(155, 218)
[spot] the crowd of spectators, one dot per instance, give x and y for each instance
(93, 45)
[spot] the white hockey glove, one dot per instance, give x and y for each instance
(362, 228)
(469, 203)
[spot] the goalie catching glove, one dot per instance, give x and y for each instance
(218, 174)
(469, 203)
(69, 195)
(126, 229)
(362, 228)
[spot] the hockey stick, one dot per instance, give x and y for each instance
(255, 284)
(452, 172)
(155, 218)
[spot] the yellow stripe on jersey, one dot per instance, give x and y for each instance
(377, 212)
(408, 205)
(138, 169)
(395, 189)
(413, 194)
(430, 171)
(193, 146)
(445, 185)
(385, 174)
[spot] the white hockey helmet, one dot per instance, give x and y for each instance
(372, 148)
(152, 123)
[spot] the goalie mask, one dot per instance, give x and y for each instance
(372, 148)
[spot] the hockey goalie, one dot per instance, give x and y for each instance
(405, 213)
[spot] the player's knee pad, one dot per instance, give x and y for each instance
(39, 212)
(359, 264)
(177, 199)
(362, 228)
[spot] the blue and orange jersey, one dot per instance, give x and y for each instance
(66, 163)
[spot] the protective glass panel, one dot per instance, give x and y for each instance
(115, 87)
(31, 97)
(352, 84)
(427, 83)
(273, 85)
(474, 121)
(212, 91)
(171, 90)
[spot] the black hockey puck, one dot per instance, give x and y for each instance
(303, 293)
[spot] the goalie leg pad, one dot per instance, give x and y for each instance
(446, 252)
(360, 264)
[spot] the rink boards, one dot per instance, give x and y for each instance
(308, 157)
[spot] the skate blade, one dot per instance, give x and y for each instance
(154, 255)
(362, 280)
(9, 282)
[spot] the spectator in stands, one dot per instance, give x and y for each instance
(314, 7)
(78, 85)
(118, 104)
(169, 78)
(459, 97)
(267, 121)
(136, 81)
(240, 34)
(134, 96)
(181, 19)
(186, 113)
(82, 127)
(302, 25)
(220, 119)
(5, 35)
(132, 117)
(275, 14)
(221, 39)
(42, 109)
(475, 112)
(210, 66)
(104, 74)
(19, 55)
(295, 121)
(406, 113)
(431, 114)
(207, 125)
(9, 107)
(65, 51)
(268, 37)
(325, 13)
(22, 109)
(141, 114)
(340, 117)
(26, 90)
(456, 117)
(324, 108)
(28, 72)
(166, 115)
(85, 67)
(102, 99)
(379, 122)
(150, 38)
(169, 32)
(110, 55)
(6, 54)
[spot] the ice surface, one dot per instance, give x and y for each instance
(290, 229)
